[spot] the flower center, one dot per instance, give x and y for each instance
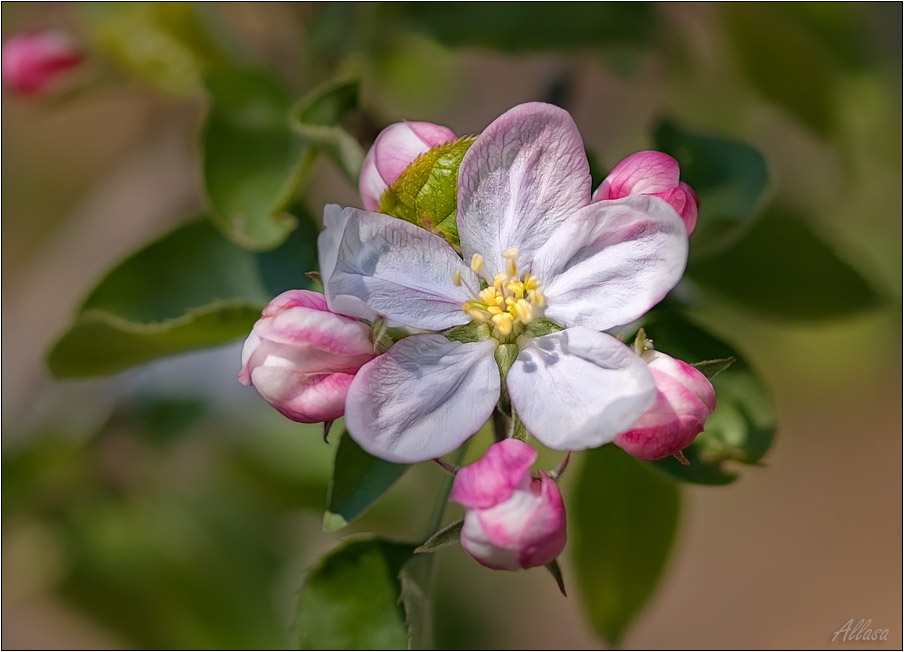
(510, 303)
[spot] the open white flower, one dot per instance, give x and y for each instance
(534, 247)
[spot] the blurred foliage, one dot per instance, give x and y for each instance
(190, 289)
(175, 526)
(624, 517)
(804, 279)
(351, 600)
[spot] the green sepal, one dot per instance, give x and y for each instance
(426, 192)
(712, 368)
(505, 354)
(541, 327)
(556, 572)
(442, 538)
(474, 331)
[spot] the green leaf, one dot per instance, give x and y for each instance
(624, 519)
(426, 193)
(535, 25)
(783, 268)
(315, 118)
(350, 601)
(190, 289)
(742, 427)
(784, 62)
(252, 161)
(446, 536)
(358, 480)
(100, 344)
(728, 176)
(418, 577)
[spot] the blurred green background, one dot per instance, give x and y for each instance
(170, 507)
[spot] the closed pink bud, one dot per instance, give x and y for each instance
(301, 357)
(684, 399)
(651, 173)
(394, 150)
(34, 60)
(513, 519)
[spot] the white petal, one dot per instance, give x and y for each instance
(578, 389)
(390, 267)
(422, 398)
(524, 175)
(335, 219)
(611, 262)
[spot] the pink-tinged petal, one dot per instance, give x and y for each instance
(399, 144)
(524, 531)
(684, 399)
(334, 335)
(611, 262)
(688, 375)
(302, 397)
(432, 134)
(643, 173)
(397, 270)
(370, 184)
(301, 358)
(578, 388)
(544, 534)
(493, 546)
(395, 148)
(492, 479)
(684, 200)
(522, 177)
(422, 398)
(32, 61)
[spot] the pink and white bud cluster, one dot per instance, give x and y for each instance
(301, 357)
(395, 148)
(32, 61)
(684, 399)
(651, 173)
(514, 519)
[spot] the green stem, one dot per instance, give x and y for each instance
(440, 508)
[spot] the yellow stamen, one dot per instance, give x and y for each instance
(511, 268)
(476, 263)
(537, 298)
(503, 323)
(523, 311)
(511, 253)
(456, 278)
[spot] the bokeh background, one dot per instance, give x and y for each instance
(170, 507)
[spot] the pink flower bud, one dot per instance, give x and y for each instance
(32, 61)
(395, 149)
(651, 173)
(513, 519)
(684, 399)
(301, 357)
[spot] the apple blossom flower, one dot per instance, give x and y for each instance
(513, 519)
(394, 149)
(538, 256)
(651, 173)
(302, 358)
(32, 61)
(684, 399)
